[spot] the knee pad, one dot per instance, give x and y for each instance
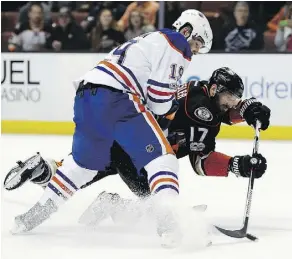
(162, 174)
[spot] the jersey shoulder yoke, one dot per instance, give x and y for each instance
(178, 42)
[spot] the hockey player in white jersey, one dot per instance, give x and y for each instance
(116, 100)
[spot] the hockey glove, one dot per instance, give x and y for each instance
(164, 121)
(177, 141)
(242, 165)
(252, 110)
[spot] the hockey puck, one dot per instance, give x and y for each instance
(251, 237)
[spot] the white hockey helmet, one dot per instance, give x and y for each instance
(200, 27)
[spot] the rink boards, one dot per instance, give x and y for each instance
(38, 94)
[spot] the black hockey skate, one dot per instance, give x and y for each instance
(24, 171)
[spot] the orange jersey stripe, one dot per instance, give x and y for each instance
(164, 180)
(120, 73)
(58, 163)
(160, 132)
(155, 125)
(56, 180)
(141, 106)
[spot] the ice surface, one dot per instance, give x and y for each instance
(62, 237)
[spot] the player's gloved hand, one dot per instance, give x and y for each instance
(252, 110)
(176, 140)
(242, 165)
(164, 121)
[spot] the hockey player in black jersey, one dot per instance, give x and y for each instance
(192, 131)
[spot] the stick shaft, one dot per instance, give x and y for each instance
(241, 233)
(251, 179)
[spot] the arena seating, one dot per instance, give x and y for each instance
(211, 9)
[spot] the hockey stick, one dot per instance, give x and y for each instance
(241, 233)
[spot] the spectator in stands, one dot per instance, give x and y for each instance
(148, 27)
(67, 34)
(136, 26)
(220, 20)
(24, 10)
(148, 10)
(33, 35)
(117, 8)
(104, 36)
(173, 10)
(55, 6)
(281, 15)
(283, 39)
(242, 34)
(83, 6)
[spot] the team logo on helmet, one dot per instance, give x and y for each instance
(203, 113)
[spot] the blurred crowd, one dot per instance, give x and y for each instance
(103, 25)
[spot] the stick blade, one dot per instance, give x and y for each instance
(237, 233)
(232, 233)
(251, 237)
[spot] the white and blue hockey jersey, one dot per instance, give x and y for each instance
(148, 66)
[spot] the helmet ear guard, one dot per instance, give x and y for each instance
(189, 27)
(191, 36)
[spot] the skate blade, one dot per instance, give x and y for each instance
(14, 177)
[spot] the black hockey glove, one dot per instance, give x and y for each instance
(164, 121)
(177, 141)
(252, 110)
(242, 165)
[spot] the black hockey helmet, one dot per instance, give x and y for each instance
(227, 80)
